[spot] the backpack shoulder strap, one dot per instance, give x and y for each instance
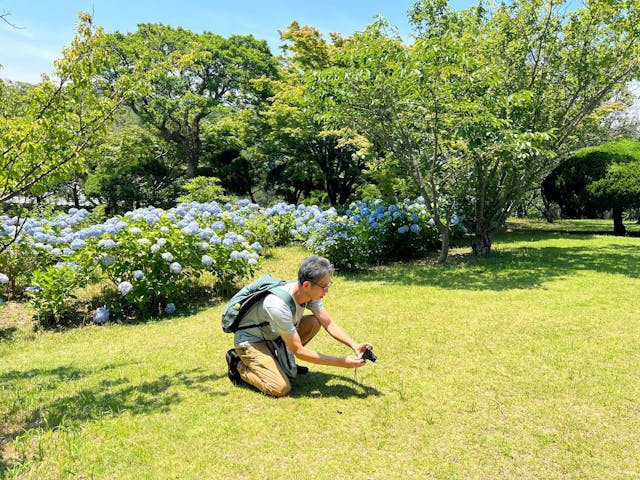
(285, 296)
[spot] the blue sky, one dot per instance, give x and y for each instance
(48, 25)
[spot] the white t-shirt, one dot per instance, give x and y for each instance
(276, 312)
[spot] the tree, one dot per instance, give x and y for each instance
(595, 180)
(407, 101)
(299, 131)
(551, 72)
(134, 168)
(620, 189)
(228, 153)
(179, 78)
(47, 129)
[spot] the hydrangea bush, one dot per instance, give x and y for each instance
(143, 262)
(373, 232)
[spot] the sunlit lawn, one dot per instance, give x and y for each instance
(523, 365)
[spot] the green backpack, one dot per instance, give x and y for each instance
(247, 296)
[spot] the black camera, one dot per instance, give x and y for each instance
(369, 355)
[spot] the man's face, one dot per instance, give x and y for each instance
(319, 288)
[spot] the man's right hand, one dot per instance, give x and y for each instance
(353, 362)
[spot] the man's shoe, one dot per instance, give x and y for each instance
(302, 370)
(232, 366)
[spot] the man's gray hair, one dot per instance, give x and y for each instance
(313, 268)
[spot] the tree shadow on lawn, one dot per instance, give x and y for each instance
(108, 398)
(518, 268)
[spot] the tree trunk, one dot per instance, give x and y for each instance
(481, 244)
(75, 196)
(444, 250)
(618, 227)
(192, 163)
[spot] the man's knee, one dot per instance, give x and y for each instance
(279, 390)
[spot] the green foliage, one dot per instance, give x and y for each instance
(53, 294)
(47, 128)
(308, 153)
(479, 108)
(176, 79)
(203, 190)
(344, 242)
(133, 168)
(596, 179)
(18, 261)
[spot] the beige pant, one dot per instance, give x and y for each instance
(259, 367)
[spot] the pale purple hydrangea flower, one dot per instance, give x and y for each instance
(124, 287)
(175, 267)
(167, 257)
(101, 316)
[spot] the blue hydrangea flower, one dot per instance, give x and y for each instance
(170, 308)
(155, 248)
(124, 287)
(415, 228)
(175, 267)
(138, 274)
(106, 243)
(108, 260)
(403, 229)
(219, 225)
(101, 316)
(207, 260)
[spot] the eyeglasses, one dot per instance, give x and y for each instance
(324, 287)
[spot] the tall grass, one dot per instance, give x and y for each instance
(522, 365)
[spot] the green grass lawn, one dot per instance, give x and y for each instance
(524, 365)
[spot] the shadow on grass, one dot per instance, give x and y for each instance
(518, 268)
(109, 397)
(320, 384)
(7, 333)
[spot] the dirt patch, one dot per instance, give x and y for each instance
(15, 316)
